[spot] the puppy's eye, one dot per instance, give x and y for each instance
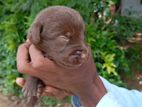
(68, 34)
(64, 38)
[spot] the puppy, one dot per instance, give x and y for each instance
(58, 32)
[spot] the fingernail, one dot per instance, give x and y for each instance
(20, 81)
(27, 40)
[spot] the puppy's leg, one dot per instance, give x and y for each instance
(29, 102)
(30, 87)
(32, 102)
(30, 91)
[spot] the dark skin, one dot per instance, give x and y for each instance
(48, 90)
(82, 81)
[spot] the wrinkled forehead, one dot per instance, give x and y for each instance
(59, 20)
(60, 12)
(67, 20)
(66, 27)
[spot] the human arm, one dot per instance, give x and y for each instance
(106, 101)
(115, 97)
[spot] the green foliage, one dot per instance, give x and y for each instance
(129, 28)
(50, 102)
(104, 33)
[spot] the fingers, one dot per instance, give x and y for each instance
(47, 91)
(23, 52)
(37, 58)
(35, 55)
(22, 56)
(28, 41)
(23, 64)
(20, 82)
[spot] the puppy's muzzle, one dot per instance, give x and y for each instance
(78, 56)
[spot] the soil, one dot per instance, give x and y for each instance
(12, 101)
(6, 102)
(134, 81)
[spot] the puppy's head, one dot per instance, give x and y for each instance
(59, 33)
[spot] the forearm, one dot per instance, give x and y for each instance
(94, 94)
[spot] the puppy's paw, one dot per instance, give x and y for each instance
(30, 87)
(40, 89)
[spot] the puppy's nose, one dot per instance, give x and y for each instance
(80, 53)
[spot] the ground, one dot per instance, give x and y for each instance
(5, 101)
(8, 101)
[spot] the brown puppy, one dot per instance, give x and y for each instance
(58, 32)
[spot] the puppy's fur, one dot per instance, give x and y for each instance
(58, 32)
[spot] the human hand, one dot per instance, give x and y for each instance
(47, 90)
(52, 74)
(82, 81)
(24, 59)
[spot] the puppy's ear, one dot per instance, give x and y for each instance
(34, 32)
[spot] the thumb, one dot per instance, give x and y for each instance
(20, 81)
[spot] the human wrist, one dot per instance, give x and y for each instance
(93, 94)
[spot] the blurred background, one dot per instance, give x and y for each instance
(113, 30)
